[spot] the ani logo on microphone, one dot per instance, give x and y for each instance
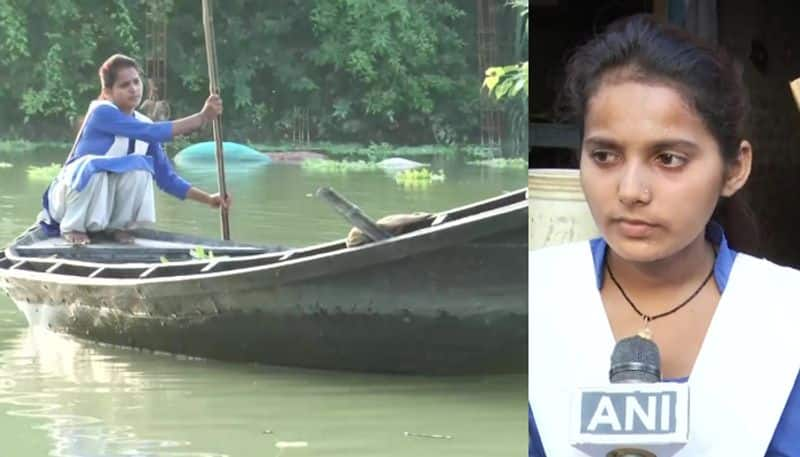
(633, 413)
(628, 412)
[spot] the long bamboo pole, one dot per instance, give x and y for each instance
(795, 86)
(213, 80)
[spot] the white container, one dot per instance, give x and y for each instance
(557, 208)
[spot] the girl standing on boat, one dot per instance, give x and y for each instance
(663, 155)
(106, 183)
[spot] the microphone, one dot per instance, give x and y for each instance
(635, 359)
(637, 415)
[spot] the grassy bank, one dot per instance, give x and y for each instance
(518, 163)
(11, 150)
(18, 149)
(376, 152)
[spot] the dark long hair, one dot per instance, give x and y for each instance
(709, 79)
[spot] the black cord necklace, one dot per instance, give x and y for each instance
(647, 318)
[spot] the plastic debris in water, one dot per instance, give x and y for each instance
(399, 163)
(427, 435)
(288, 444)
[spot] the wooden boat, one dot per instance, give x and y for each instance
(447, 298)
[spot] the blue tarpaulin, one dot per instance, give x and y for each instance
(204, 154)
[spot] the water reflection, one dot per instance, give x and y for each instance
(93, 400)
(71, 369)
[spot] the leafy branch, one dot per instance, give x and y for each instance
(507, 81)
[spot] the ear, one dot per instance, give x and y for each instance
(737, 172)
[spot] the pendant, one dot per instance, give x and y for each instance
(646, 332)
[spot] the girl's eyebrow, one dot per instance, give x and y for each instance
(675, 144)
(669, 143)
(601, 142)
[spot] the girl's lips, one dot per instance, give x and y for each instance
(632, 228)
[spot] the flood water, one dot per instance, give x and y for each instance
(65, 397)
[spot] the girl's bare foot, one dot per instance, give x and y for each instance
(76, 238)
(122, 237)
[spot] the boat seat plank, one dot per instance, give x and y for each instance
(165, 270)
(119, 273)
(31, 265)
(142, 250)
(439, 219)
(54, 244)
(148, 271)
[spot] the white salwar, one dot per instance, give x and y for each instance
(741, 379)
(109, 201)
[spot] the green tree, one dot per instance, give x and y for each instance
(50, 52)
(509, 85)
(401, 71)
(509, 80)
(393, 64)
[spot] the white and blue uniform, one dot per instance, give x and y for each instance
(107, 182)
(565, 312)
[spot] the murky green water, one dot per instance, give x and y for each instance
(63, 397)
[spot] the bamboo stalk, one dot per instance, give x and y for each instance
(213, 82)
(795, 86)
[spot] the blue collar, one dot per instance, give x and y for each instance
(714, 233)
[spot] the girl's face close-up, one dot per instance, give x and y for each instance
(651, 170)
(126, 92)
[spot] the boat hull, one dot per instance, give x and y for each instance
(444, 300)
(458, 310)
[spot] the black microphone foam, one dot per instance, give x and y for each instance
(635, 359)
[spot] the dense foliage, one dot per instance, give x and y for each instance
(399, 71)
(509, 80)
